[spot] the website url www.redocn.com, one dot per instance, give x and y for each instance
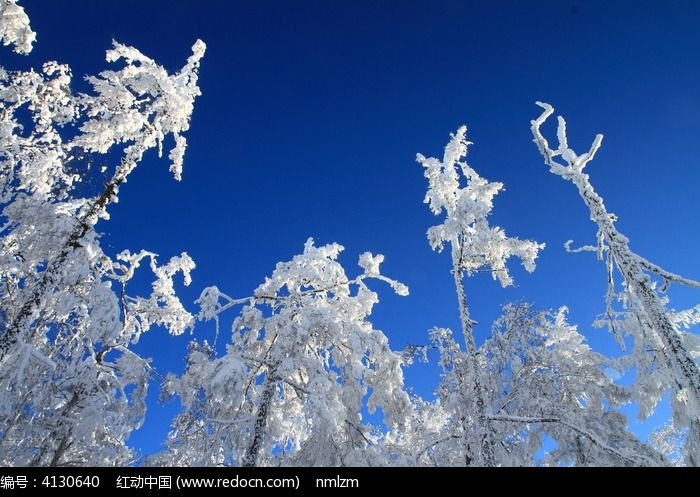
(237, 482)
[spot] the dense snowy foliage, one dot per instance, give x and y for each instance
(303, 363)
(14, 27)
(541, 384)
(72, 390)
(306, 379)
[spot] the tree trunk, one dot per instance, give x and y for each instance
(251, 457)
(486, 457)
(640, 284)
(50, 277)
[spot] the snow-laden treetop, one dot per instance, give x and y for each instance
(478, 246)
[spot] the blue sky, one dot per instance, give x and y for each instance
(312, 113)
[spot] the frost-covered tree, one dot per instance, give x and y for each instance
(664, 354)
(545, 381)
(133, 108)
(303, 364)
(550, 399)
(467, 199)
(306, 379)
(71, 389)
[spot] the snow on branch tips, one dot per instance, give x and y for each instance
(142, 104)
(14, 27)
(479, 247)
(163, 307)
(574, 163)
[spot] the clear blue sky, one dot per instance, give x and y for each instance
(312, 113)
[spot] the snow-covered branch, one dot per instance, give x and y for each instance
(635, 460)
(467, 200)
(165, 107)
(14, 27)
(668, 276)
(651, 323)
